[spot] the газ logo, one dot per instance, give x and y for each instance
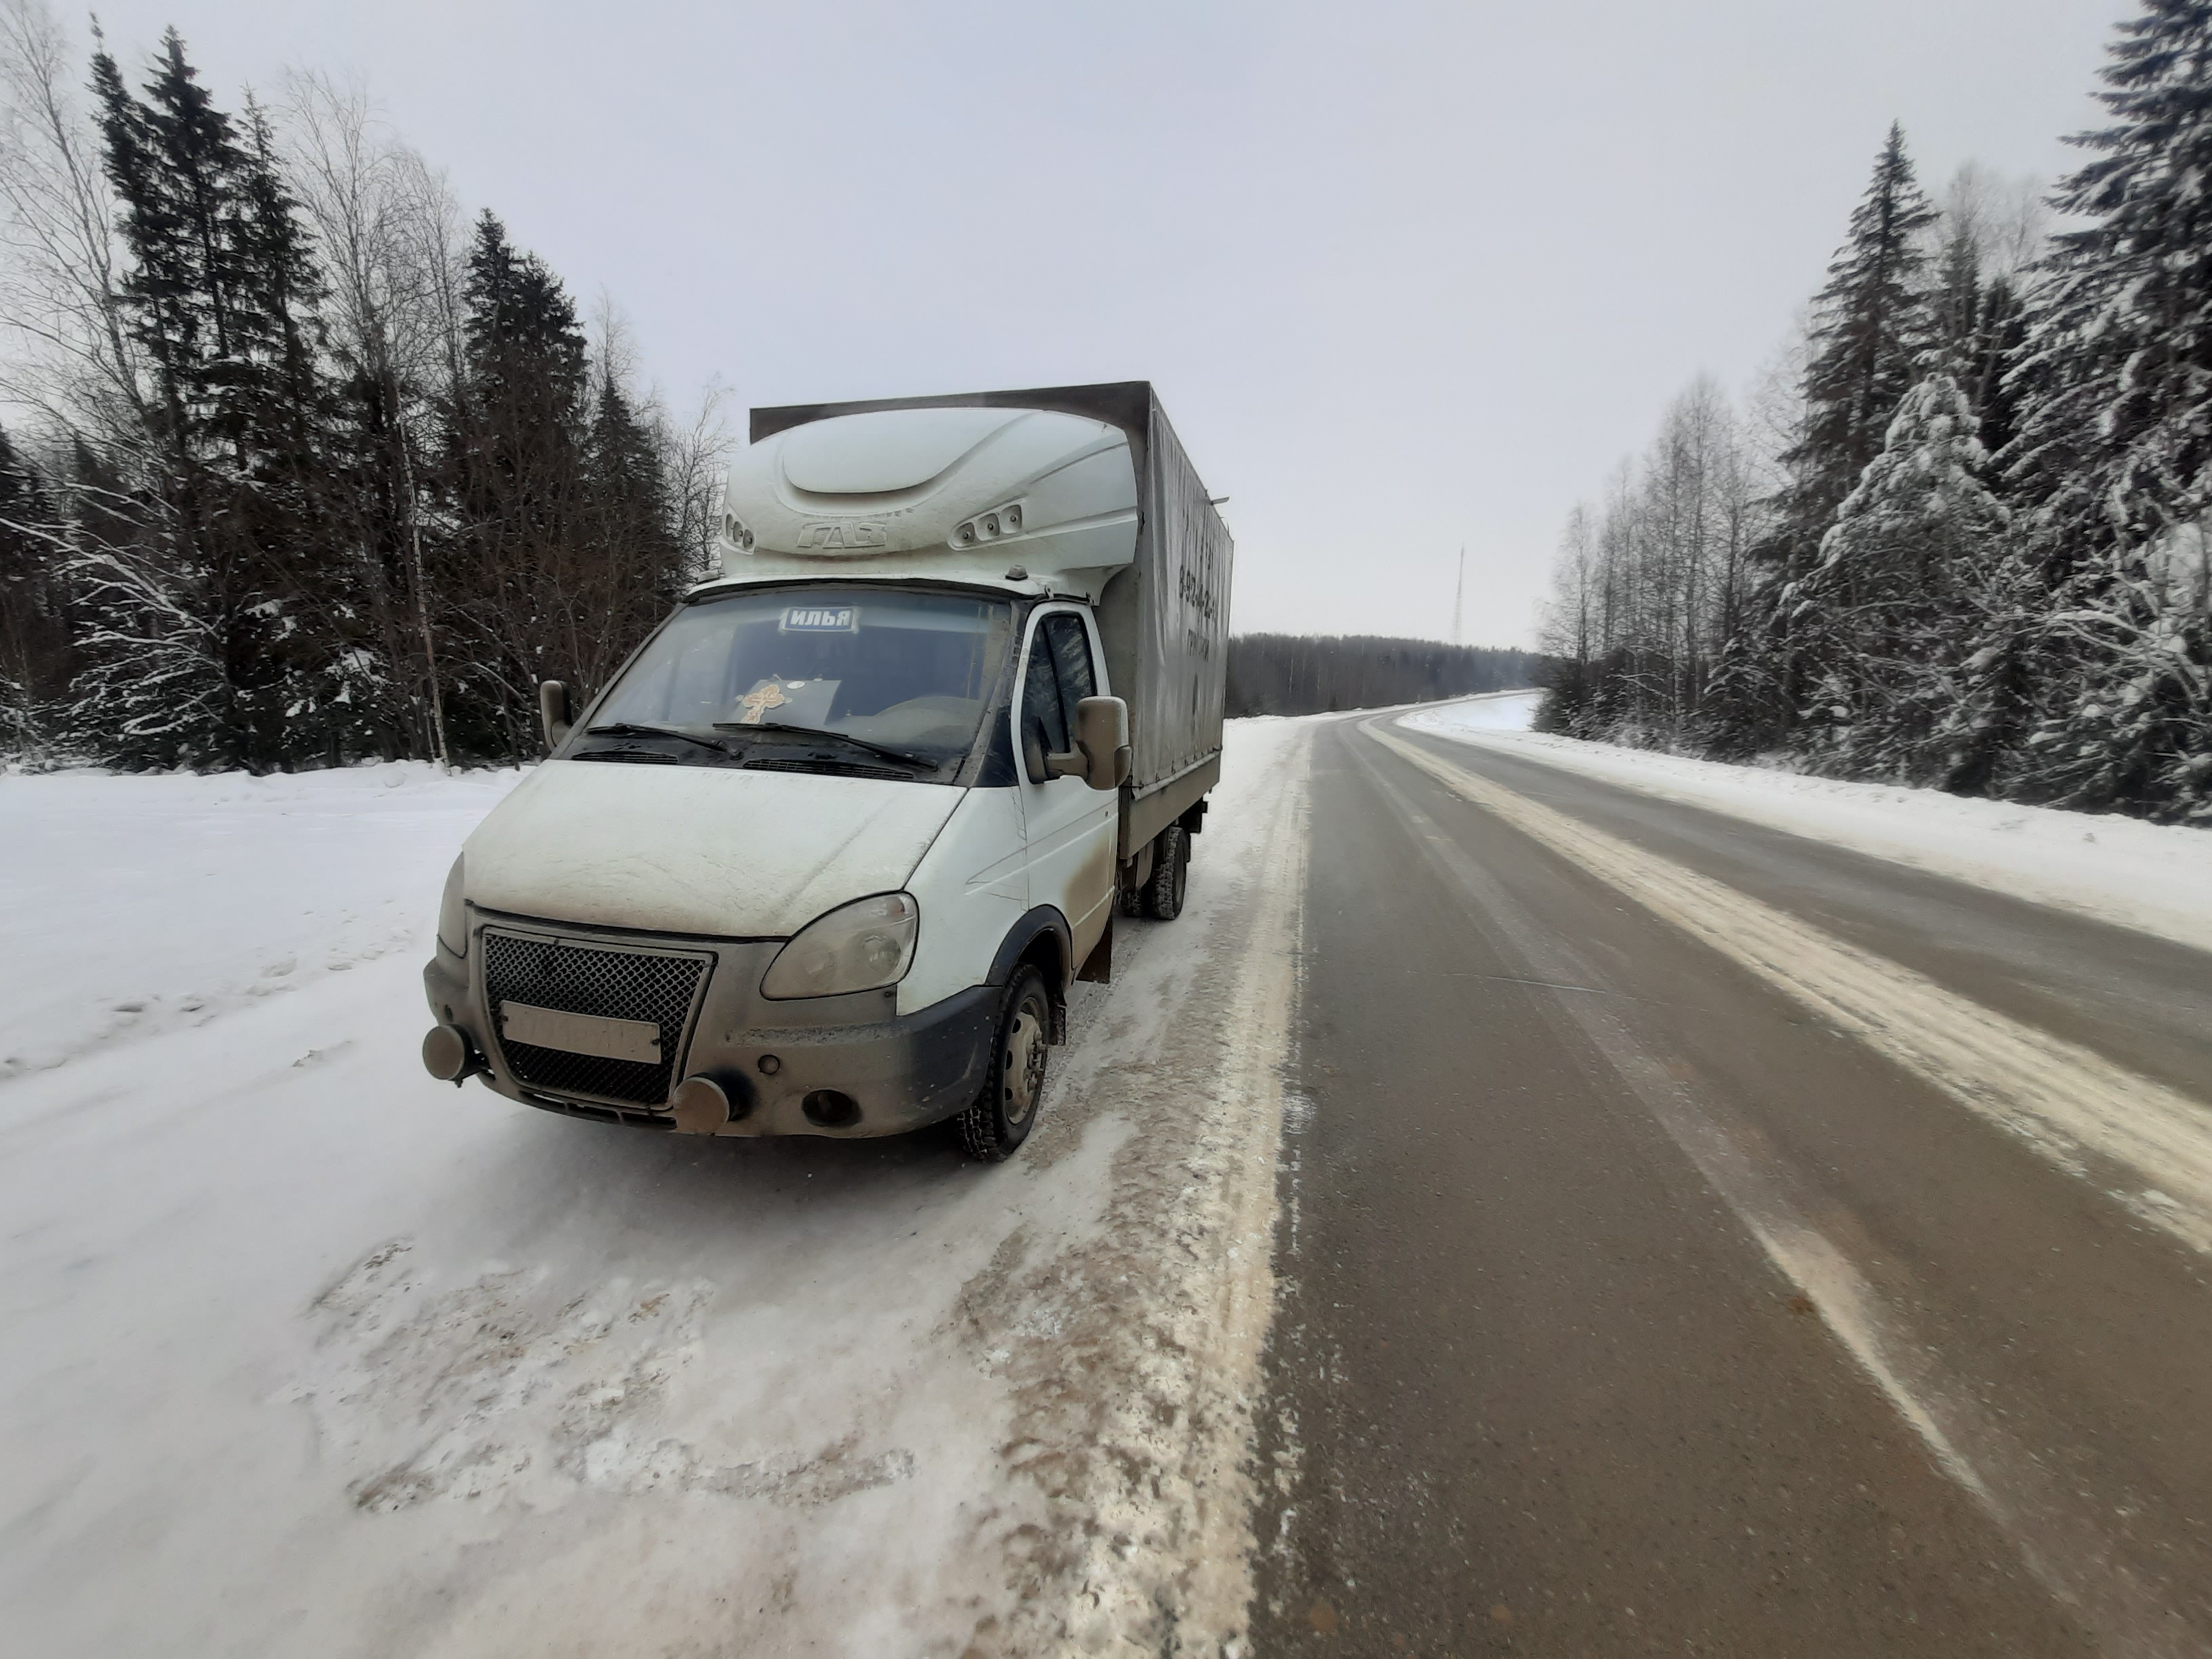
(824, 536)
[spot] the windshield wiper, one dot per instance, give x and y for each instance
(884, 750)
(633, 729)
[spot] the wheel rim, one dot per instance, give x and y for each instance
(1181, 876)
(1021, 1070)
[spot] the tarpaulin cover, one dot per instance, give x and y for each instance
(1164, 620)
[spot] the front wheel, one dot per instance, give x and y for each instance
(1003, 1114)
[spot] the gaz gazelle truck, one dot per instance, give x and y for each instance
(827, 855)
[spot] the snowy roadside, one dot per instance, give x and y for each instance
(145, 904)
(301, 1353)
(2156, 878)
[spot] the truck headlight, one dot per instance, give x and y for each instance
(855, 947)
(453, 914)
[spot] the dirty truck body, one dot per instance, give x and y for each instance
(827, 855)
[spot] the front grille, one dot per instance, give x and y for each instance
(581, 979)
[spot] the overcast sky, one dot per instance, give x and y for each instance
(1406, 274)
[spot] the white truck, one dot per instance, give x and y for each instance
(826, 856)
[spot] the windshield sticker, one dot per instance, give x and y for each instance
(821, 619)
(791, 702)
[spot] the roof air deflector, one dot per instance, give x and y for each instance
(881, 452)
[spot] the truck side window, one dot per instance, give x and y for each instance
(1071, 658)
(1042, 715)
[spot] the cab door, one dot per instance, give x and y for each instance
(1071, 826)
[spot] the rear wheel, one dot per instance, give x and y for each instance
(1003, 1114)
(1164, 889)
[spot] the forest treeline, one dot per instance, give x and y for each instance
(1962, 541)
(305, 468)
(1310, 674)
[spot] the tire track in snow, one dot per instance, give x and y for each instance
(1133, 1359)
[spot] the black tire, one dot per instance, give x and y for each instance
(1006, 1110)
(1164, 889)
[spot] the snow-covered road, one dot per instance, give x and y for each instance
(301, 1353)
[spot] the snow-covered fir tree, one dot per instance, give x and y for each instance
(222, 586)
(2010, 593)
(1908, 563)
(2114, 459)
(516, 459)
(1871, 323)
(310, 479)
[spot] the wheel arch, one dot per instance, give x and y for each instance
(1042, 937)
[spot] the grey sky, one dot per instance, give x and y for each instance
(1407, 274)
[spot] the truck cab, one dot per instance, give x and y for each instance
(827, 855)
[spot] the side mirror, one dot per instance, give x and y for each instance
(1101, 739)
(553, 711)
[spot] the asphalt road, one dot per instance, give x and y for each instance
(1631, 1301)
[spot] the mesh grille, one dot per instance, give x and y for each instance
(576, 979)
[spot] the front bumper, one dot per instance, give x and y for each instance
(846, 1066)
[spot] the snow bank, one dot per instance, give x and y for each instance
(141, 904)
(2156, 878)
(1498, 711)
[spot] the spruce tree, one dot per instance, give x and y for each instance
(1904, 569)
(1872, 322)
(2114, 453)
(517, 448)
(178, 170)
(287, 413)
(632, 518)
(219, 294)
(269, 536)
(1956, 300)
(151, 688)
(1996, 348)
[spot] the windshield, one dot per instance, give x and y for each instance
(901, 674)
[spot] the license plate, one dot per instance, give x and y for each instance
(581, 1034)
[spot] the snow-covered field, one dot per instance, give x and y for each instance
(140, 905)
(303, 1353)
(2154, 878)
